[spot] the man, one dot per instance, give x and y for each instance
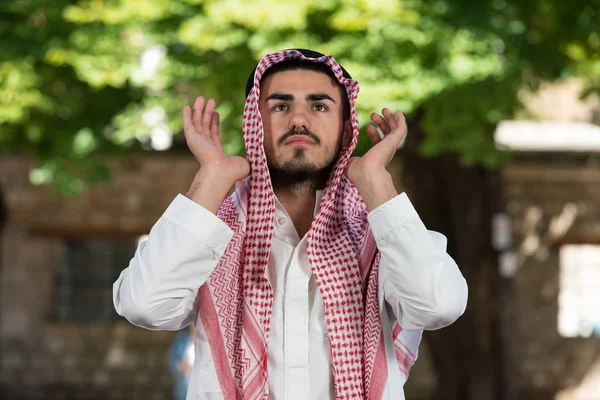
(317, 278)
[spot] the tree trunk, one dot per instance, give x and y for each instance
(471, 357)
(3, 218)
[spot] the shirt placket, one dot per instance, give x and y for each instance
(296, 329)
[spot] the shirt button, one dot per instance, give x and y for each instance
(281, 221)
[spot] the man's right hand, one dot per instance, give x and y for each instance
(201, 128)
(218, 171)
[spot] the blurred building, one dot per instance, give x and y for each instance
(553, 194)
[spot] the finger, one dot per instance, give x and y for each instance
(381, 123)
(197, 114)
(186, 115)
(401, 128)
(391, 118)
(207, 116)
(214, 125)
(373, 134)
(401, 121)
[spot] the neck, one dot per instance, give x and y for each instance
(299, 202)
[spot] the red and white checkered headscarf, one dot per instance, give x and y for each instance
(236, 302)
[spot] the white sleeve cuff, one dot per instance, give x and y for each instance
(200, 223)
(391, 216)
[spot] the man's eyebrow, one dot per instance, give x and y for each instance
(280, 96)
(319, 97)
(310, 97)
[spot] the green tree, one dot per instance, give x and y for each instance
(79, 76)
(81, 80)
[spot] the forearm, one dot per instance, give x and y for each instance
(376, 187)
(158, 289)
(209, 188)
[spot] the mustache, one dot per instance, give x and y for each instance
(294, 132)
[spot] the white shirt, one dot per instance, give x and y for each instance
(422, 286)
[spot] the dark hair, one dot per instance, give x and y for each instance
(296, 64)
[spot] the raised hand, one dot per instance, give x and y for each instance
(368, 173)
(218, 171)
(393, 127)
(201, 128)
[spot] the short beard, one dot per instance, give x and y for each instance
(300, 177)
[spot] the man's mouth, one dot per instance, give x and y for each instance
(299, 141)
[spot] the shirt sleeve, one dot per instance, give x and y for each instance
(421, 282)
(159, 287)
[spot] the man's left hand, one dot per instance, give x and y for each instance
(368, 173)
(393, 127)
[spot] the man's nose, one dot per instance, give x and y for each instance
(299, 121)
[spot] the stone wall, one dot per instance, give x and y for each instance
(46, 359)
(139, 192)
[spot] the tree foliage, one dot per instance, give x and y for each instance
(82, 79)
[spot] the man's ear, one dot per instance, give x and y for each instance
(347, 134)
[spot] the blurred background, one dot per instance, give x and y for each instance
(502, 156)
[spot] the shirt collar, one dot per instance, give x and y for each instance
(284, 227)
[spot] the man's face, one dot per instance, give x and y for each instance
(303, 122)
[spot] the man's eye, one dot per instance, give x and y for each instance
(320, 107)
(280, 107)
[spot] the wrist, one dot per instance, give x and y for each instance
(214, 177)
(376, 187)
(209, 188)
(375, 177)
